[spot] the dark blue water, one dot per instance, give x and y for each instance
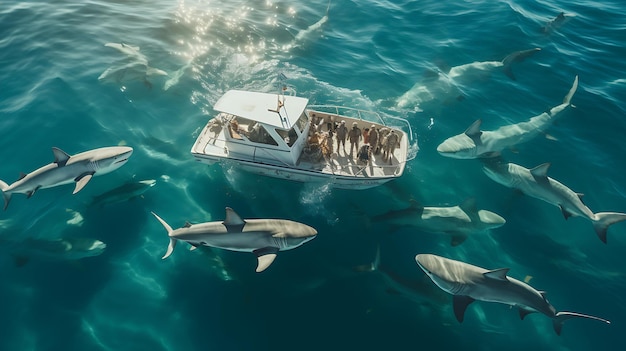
(366, 55)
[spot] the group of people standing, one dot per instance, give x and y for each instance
(374, 141)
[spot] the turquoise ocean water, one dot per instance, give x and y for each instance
(366, 55)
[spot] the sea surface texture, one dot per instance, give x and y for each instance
(61, 86)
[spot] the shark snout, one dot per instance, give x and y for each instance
(123, 154)
(459, 146)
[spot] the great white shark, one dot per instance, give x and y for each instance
(457, 221)
(445, 85)
(536, 183)
(263, 237)
(475, 143)
(468, 283)
(65, 169)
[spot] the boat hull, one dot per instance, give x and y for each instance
(297, 175)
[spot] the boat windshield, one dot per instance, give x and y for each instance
(292, 134)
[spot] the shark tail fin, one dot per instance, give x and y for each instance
(561, 317)
(568, 98)
(6, 195)
(603, 220)
(172, 244)
(517, 56)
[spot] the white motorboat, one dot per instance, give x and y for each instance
(281, 136)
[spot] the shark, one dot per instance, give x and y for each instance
(65, 169)
(556, 23)
(457, 221)
(536, 183)
(468, 283)
(174, 78)
(133, 67)
(304, 35)
(442, 84)
(60, 249)
(263, 237)
(475, 143)
(123, 192)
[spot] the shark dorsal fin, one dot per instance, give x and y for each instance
(497, 274)
(541, 171)
(473, 131)
(265, 257)
(233, 220)
(187, 224)
(60, 156)
(459, 304)
(469, 206)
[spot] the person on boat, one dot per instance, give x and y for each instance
(366, 136)
(329, 142)
(390, 145)
(342, 133)
(373, 140)
(234, 129)
(354, 136)
(363, 155)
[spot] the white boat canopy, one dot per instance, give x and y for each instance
(261, 107)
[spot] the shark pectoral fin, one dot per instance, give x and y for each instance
(523, 313)
(566, 214)
(81, 181)
(497, 274)
(457, 239)
(32, 192)
(60, 156)
(265, 257)
(459, 304)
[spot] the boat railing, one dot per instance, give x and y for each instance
(361, 169)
